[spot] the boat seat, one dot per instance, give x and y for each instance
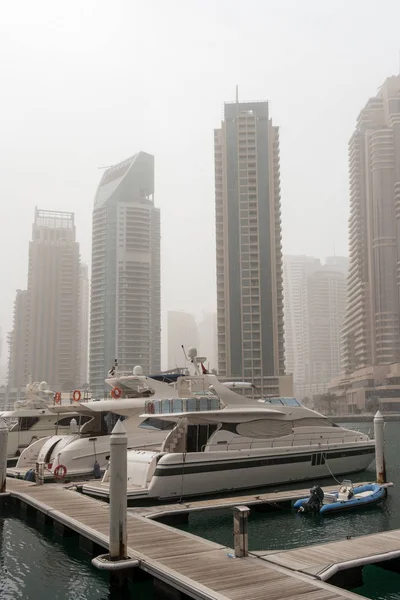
(364, 494)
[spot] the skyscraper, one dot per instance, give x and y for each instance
(53, 348)
(125, 284)
(371, 330)
(315, 298)
(84, 323)
(326, 300)
(208, 339)
(248, 237)
(18, 343)
(181, 330)
(295, 277)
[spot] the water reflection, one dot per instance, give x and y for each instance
(41, 565)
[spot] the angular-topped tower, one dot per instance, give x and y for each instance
(125, 292)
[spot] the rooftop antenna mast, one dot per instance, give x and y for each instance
(184, 352)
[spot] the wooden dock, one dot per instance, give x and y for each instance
(271, 499)
(325, 560)
(185, 563)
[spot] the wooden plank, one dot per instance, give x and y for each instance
(318, 558)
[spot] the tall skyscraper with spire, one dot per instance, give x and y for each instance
(125, 284)
(371, 331)
(248, 238)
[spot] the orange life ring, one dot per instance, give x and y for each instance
(76, 396)
(150, 408)
(60, 471)
(57, 397)
(116, 393)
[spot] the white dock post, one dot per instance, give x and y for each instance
(39, 473)
(379, 448)
(240, 530)
(3, 454)
(118, 492)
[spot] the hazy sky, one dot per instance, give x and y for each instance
(88, 83)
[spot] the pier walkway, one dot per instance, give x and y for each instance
(325, 560)
(198, 568)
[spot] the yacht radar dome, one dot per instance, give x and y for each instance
(137, 370)
(192, 352)
(43, 386)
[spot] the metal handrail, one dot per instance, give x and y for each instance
(282, 443)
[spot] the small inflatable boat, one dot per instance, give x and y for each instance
(347, 497)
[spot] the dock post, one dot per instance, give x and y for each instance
(118, 492)
(379, 448)
(240, 530)
(3, 455)
(39, 473)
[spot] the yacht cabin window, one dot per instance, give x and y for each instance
(24, 423)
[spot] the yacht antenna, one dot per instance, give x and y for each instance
(184, 352)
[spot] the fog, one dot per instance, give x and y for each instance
(87, 84)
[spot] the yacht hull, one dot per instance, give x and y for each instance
(201, 473)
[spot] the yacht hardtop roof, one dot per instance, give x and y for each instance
(34, 412)
(123, 406)
(224, 415)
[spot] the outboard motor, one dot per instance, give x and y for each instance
(315, 500)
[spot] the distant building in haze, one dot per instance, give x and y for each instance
(295, 277)
(248, 238)
(371, 330)
(18, 343)
(84, 324)
(207, 345)
(125, 321)
(53, 300)
(181, 330)
(315, 299)
(44, 343)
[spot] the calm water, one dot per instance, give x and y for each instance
(284, 529)
(40, 565)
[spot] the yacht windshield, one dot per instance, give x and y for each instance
(283, 401)
(159, 424)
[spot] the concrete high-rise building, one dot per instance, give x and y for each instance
(181, 330)
(295, 276)
(84, 324)
(18, 343)
(248, 238)
(125, 321)
(371, 330)
(315, 297)
(340, 263)
(208, 339)
(326, 298)
(53, 346)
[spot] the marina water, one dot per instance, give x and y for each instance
(38, 564)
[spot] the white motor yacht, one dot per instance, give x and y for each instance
(34, 418)
(223, 443)
(84, 452)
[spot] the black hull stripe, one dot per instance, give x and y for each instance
(188, 468)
